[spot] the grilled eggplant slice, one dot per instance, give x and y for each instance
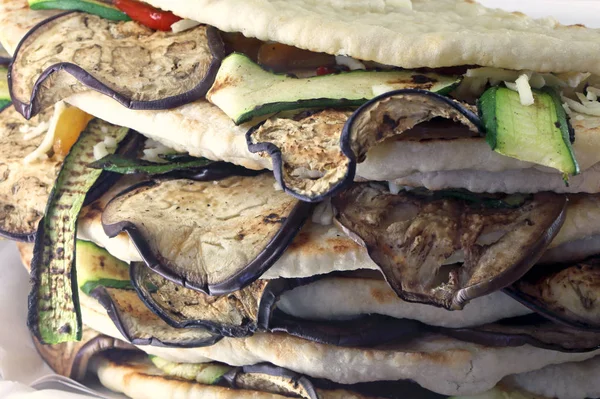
(232, 315)
(138, 67)
(410, 237)
(567, 294)
(106, 278)
(54, 315)
(186, 232)
(71, 359)
(315, 156)
(142, 327)
(532, 330)
(24, 190)
(270, 378)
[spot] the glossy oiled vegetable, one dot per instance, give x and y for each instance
(186, 232)
(568, 294)
(71, 51)
(411, 237)
(538, 133)
(24, 190)
(243, 90)
(314, 156)
(123, 165)
(54, 314)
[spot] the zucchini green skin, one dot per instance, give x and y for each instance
(90, 6)
(245, 91)
(122, 165)
(4, 93)
(54, 314)
(96, 267)
(539, 133)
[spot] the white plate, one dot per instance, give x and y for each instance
(20, 364)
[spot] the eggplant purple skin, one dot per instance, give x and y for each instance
(539, 307)
(345, 145)
(130, 144)
(268, 302)
(499, 339)
(4, 61)
(103, 297)
(275, 154)
(216, 46)
(228, 379)
(247, 275)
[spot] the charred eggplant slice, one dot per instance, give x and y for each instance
(71, 359)
(106, 278)
(24, 190)
(232, 315)
(142, 327)
(529, 330)
(138, 67)
(567, 294)
(315, 156)
(265, 376)
(54, 314)
(186, 232)
(410, 237)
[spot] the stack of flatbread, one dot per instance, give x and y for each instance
(332, 199)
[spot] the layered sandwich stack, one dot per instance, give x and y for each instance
(331, 199)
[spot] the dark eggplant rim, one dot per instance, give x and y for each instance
(276, 158)
(500, 339)
(5, 61)
(268, 301)
(345, 145)
(80, 364)
(367, 330)
(229, 378)
(242, 278)
(20, 237)
(136, 268)
(508, 277)
(101, 294)
(215, 43)
(541, 308)
(346, 132)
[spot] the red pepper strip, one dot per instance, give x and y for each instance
(147, 15)
(325, 70)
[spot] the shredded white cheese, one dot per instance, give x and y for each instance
(350, 62)
(46, 144)
(100, 151)
(394, 188)
(110, 142)
(183, 25)
(29, 133)
(524, 89)
(581, 108)
(323, 213)
(153, 151)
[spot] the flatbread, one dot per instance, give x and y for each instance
(435, 33)
(138, 378)
(508, 181)
(563, 381)
(440, 364)
(322, 249)
(16, 19)
(338, 298)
